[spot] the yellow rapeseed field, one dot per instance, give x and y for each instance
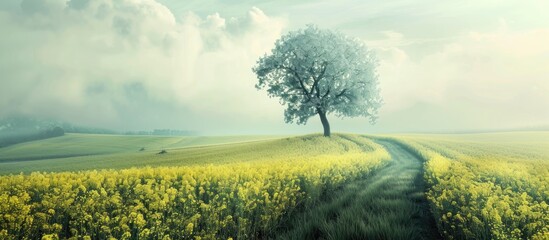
(234, 200)
(487, 186)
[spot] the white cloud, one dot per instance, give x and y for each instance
(486, 80)
(93, 59)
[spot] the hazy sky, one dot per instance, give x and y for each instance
(143, 64)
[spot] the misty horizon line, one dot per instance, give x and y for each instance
(167, 131)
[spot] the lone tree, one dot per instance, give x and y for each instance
(316, 71)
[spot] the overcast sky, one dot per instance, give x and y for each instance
(144, 64)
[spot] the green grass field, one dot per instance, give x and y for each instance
(412, 186)
(91, 151)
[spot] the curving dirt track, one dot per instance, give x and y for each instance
(389, 204)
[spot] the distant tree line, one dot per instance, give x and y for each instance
(14, 137)
(69, 128)
(163, 132)
(18, 129)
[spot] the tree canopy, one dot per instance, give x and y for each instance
(314, 71)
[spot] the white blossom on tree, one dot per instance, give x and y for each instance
(315, 71)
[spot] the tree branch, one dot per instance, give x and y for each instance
(317, 79)
(326, 94)
(303, 88)
(342, 93)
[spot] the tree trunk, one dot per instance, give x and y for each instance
(325, 123)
